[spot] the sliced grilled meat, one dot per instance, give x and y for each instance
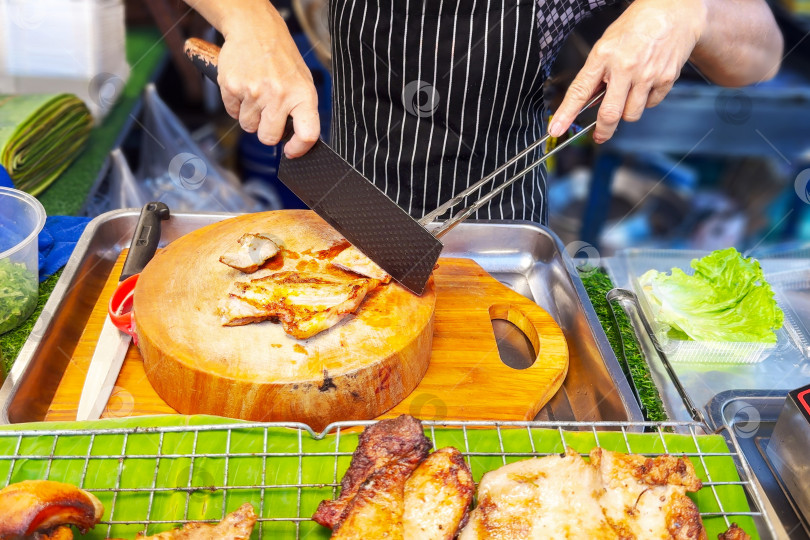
(238, 525)
(395, 441)
(438, 496)
(41, 507)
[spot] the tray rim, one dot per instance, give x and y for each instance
(28, 351)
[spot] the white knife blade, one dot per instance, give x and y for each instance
(104, 368)
(112, 345)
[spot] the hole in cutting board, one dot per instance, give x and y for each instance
(517, 348)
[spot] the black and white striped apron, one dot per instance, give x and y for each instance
(429, 96)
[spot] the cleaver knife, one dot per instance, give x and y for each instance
(349, 202)
(112, 344)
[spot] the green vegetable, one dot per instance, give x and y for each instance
(623, 342)
(11, 342)
(727, 299)
(18, 294)
(40, 134)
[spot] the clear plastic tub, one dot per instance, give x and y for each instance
(638, 261)
(793, 293)
(21, 219)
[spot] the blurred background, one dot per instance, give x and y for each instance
(708, 168)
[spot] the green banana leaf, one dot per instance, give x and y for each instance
(40, 135)
(143, 471)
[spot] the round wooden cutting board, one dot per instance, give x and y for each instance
(357, 369)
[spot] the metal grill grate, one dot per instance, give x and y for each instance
(24, 463)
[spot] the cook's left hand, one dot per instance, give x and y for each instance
(639, 57)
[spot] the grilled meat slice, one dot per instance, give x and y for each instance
(646, 497)
(252, 251)
(734, 533)
(41, 507)
(62, 532)
(376, 510)
(238, 525)
(395, 441)
(551, 497)
(305, 303)
(615, 496)
(437, 496)
(657, 471)
(353, 260)
(236, 311)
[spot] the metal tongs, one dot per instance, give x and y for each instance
(441, 229)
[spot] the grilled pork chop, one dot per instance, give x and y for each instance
(252, 251)
(376, 510)
(40, 508)
(734, 532)
(398, 502)
(615, 496)
(550, 497)
(238, 525)
(437, 496)
(304, 302)
(387, 452)
(646, 497)
(353, 260)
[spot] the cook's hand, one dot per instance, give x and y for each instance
(639, 57)
(263, 80)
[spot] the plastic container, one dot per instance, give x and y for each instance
(638, 261)
(792, 288)
(21, 219)
(72, 46)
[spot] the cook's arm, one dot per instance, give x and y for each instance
(740, 44)
(262, 76)
(640, 55)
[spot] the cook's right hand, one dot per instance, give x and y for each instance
(263, 80)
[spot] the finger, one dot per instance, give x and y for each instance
(581, 90)
(271, 127)
(611, 109)
(657, 95)
(636, 102)
(307, 126)
(231, 102)
(250, 114)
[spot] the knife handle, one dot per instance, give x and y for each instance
(205, 57)
(146, 238)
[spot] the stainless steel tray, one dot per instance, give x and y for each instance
(750, 417)
(526, 257)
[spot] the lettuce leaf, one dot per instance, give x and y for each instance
(726, 299)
